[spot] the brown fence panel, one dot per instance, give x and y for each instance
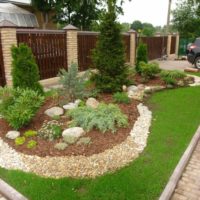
(173, 45)
(2, 72)
(156, 46)
(126, 38)
(87, 42)
(49, 49)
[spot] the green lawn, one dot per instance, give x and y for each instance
(194, 73)
(176, 116)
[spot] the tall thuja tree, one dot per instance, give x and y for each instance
(109, 55)
(25, 72)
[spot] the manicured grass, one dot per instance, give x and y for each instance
(194, 73)
(176, 117)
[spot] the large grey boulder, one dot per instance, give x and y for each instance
(73, 132)
(54, 111)
(12, 135)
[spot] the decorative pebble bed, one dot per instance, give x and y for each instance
(82, 166)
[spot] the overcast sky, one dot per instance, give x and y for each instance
(152, 11)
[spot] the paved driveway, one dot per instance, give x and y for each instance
(174, 64)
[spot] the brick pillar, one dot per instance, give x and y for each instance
(72, 44)
(169, 41)
(132, 47)
(177, 44)
(8, 39)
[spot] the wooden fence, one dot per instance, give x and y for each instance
(87, 42)
(2, 73)
(49, 49)
(173, 45)
(156, 46)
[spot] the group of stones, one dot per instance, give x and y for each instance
(70, 135)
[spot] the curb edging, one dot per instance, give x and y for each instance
(175, 177)
(9, 192)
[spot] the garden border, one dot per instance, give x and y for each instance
(175, 177)
(9, 192)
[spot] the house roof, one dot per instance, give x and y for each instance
(16, 15)
(18, 2)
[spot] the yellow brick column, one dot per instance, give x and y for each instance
(177, 44)
(8, 38)
(132, 47)
(169, 42)
(72, 44)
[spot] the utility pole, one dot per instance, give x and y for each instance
(168, 15)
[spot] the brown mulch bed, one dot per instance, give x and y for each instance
(100, 141)
(152, 82)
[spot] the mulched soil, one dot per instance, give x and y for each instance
(100, 141)
(152, 82)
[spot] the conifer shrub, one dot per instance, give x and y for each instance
(104, 118)
(25, 72)
(109, 55)
(73, 84)
(141, 56)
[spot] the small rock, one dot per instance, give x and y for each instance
(61, 146)
(132, 88)
(181, 83)
(124, 88)
(74, 132)
(55, 111)
(77, 102)
(169, 86)
(84, 140)
(70, 106)
(12, 135)
(141, 87)
(92, 102)
(189, 80)
(70, 139)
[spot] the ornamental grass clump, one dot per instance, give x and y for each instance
(19, 106)
(171, 76)
(104, 118)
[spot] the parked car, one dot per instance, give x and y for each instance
(193, 53)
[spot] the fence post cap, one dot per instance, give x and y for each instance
(7, 24)
(131, 31)
(70, 27)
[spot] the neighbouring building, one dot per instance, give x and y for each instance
(25, 8)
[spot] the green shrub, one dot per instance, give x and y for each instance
(50, 130)
(169, 80)
(19, 106)
(175, 74)
(20, 141)
(109, 55)
(121, 97)
(73, 84)
(31, 144)
(141, 56)
(149, 70)
(104, 118)
(30, 133)
(25, 71)
(170, 77)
